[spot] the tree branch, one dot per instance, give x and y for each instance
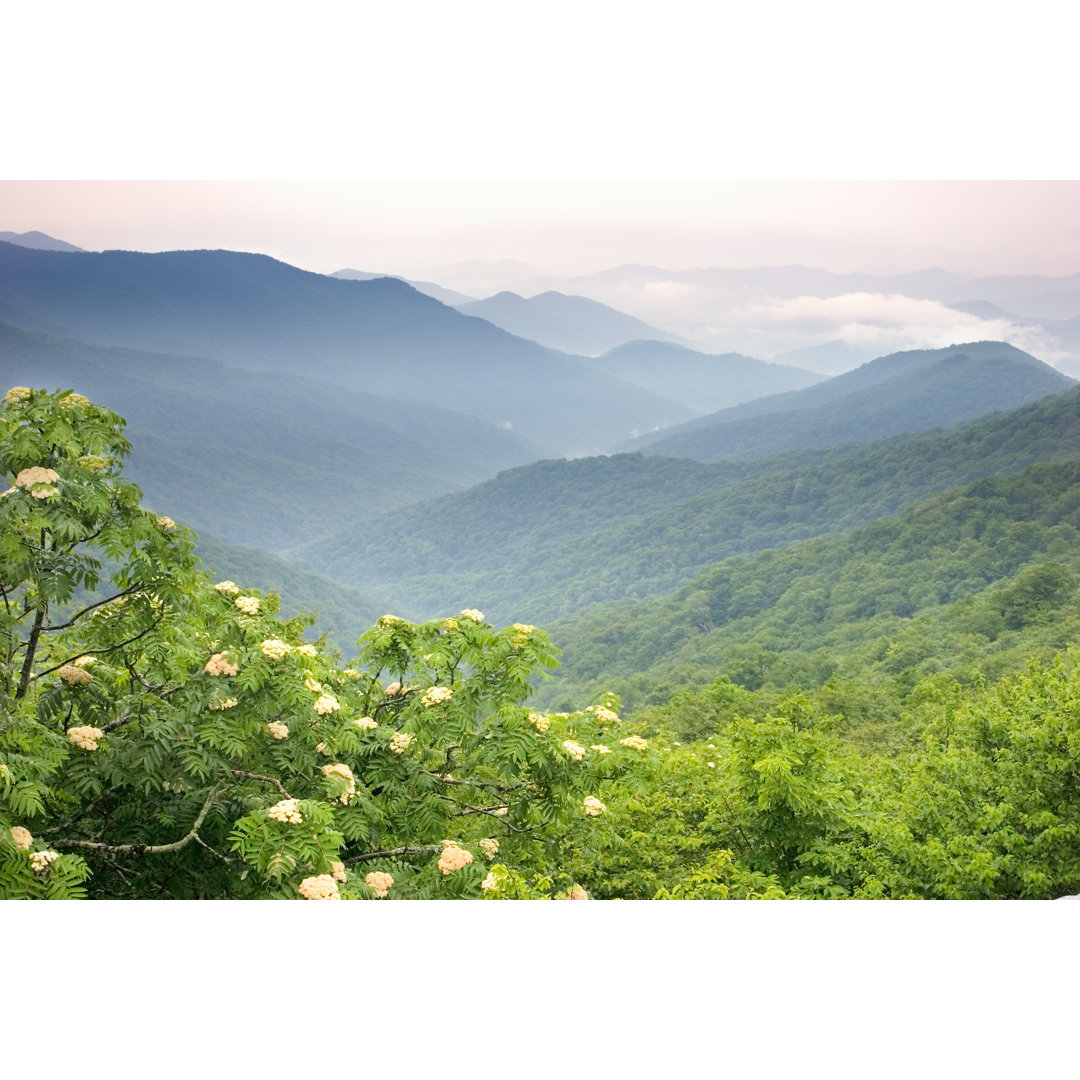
(153, 849)
(269, 779)
(79, 615)
(393, 853)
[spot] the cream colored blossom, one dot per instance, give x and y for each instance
(473, 615)
(286, 812)
(605, 716)
(489, 846)
(74, 399)
(575, 750)
(711, 764)
(36, 474)
(322, 887)
(600, 748)
(436, 695)
(540, 722)
(277, 730)
(166, 523)
(227, 587)
(490, 883)
(313, 685)
(380, 882)
(21, 837)
(219, 664)
(449, 625)
(84, 661)
(41, 861)
(365, 723)
(94, 463)
(338, 872)
(326, 703)
(501, 811)
(454, 858)
(350, 673)
(576, 892)
(635, 742)
(17, 394)
(86, 738)
(400, 741)
(44, 492)
(593, 806)
(272, 648)
(74, 675)
(524, 628)
(339, 768)
(226, 703)
(389, 621)
(307, 650)
(396, 689)
(249, 605)
(321, 748)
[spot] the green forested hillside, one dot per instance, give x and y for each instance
(978, 577)
(264, 458)
(548, 540)
(909, 391)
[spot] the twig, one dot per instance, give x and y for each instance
(269, 779)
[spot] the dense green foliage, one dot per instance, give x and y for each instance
(177, 739)
(549, 540)
(989, 569)
(909, 391)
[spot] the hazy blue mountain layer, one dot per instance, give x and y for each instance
(264, 458)
(549, 539)
(907, 391)
(572, 324)
(703, 381)
(380, 336)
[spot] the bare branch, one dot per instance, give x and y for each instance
(95, 652)
(153, 849)
(269, 779)
(90, 607)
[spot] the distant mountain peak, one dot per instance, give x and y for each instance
(39, 240)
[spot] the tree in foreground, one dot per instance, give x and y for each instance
(167, 736)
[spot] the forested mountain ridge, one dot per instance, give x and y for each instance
(380, 337)
(266, 459)
(547, 540)
(980, 563)
(909, 391)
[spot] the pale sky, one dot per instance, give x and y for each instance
(575, 226)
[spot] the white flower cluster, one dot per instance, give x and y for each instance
(436, 696)
(593, 806)
(635, 742)
(277, 730)
(490, 883)
(40, 861)
(501, 811)
(605, 716)
(94, 463)
(39, 481)
(272, 648)
(380, 882)
(454, 858)
(312, 683)
(21, 838)
(307, 650)
(600, 748)
(74, 675)
(286, 812)
(575, 750)
(17, 394)
(227, 587)
(249, 605)
(166, 523)
(489, 846)
(218, 664)
(322, 887)
(365, 723)
(84, 661)
(86, 738)
(74, 399)
(574, 893)
(396, 689)
(341, 769)
(221, 706)
(473, 615)
(326, 703)
(338, 872)
(540, 722)
(400, 742)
